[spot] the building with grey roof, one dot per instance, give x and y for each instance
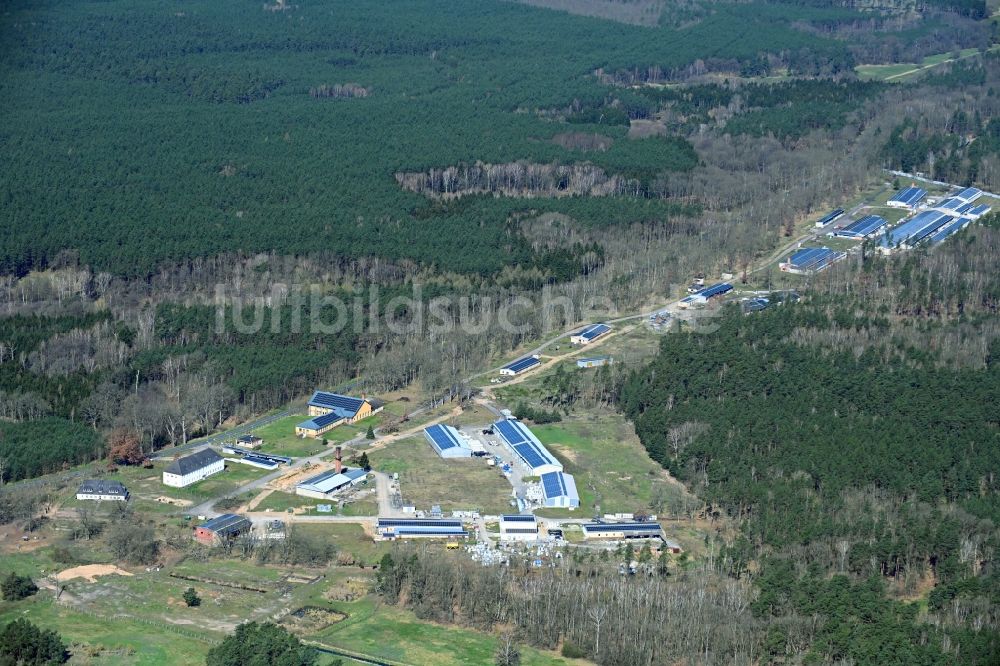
(193, 468)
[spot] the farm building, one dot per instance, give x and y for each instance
(965, 209)
(559, 490)
(447, 442)
(526, 446)
(193, 468)
(618, 531)
(350, 409)
(428, 528)
(908, 197)
(594, 361)
(755, 304)
(518, 527)
(811, 260)
(223, 528)
(101, 490)
(318, 425)
(705, 295)
(276, 459)
(249, 441)
(832, 216)
(862, 228)
(589, 334)
(968, 195)
(520, 365)
(327, 483)
(916, 230)
(262, 462)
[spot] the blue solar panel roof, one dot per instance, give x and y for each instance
(334, 400)
(442, 437)
(522, 364)
(418, 522)
(981, 209)
(524, 444)
(321, 421)
(830, 217)
(947, 230)
(594, 331)
(909, 195)
(865, 226)
(622, 527)
(814, 259)
(916, 229)
(715, 290)
(559, 484)
(517, 518)
(968, 194)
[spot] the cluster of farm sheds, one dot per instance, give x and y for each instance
(545, 483)
(928, 222)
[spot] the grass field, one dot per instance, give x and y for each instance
(904, 70)
(365, 505)
(392, 633)
(613, 472)
(350, 538)
(425, 479)
(280, 438)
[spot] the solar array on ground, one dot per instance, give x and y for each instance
(521, 364)
(909, 196)
(863, 227)
(814, 258)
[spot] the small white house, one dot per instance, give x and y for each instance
(193, 468)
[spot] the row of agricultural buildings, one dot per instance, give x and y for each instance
(930, 222)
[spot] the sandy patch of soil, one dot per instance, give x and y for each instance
(90, 572)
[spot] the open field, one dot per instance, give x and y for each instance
(392, 633)
(350, 538)
(426, 479)
(280, 438)
(365, 505)
(903, 70)
(613, 472)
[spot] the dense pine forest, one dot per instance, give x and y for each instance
(853, 437)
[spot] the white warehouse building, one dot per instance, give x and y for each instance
(193, 468)
(518, 527)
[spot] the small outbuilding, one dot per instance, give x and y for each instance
(223, 528)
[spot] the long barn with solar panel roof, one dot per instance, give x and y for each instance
(520, 365)
(329, 410)
(527, 447)
(863, 228)
(908, 197)
(589, 334)
(447, 442)
(811, 260)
